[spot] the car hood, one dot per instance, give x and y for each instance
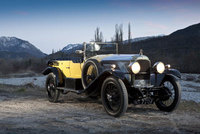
(120, 57)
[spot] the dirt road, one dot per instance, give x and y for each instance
(26, 110)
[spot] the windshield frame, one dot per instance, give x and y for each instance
(99, 43)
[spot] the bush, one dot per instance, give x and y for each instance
(8, 66)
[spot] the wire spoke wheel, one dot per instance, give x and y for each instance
(114, 96)
(52, 92)
(51, 89)
(170, 94)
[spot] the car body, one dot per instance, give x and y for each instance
(119, 79)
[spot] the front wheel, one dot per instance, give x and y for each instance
(52, 92)
(114, 96)
(171, 94)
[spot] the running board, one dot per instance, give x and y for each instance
(71, 90)
(90, 87)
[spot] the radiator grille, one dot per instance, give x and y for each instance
(145, 66)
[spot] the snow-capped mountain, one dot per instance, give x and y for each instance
(71, 48)
(12, 47)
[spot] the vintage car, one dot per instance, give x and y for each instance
(118, 79)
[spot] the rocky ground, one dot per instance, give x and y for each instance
(25, 109)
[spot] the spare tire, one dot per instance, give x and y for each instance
(90, 71)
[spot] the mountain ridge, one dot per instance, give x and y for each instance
(13, 47)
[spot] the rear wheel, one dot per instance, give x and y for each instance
(52, 92)
(114, 96)
(171, 94)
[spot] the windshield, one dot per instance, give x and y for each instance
(93, 49)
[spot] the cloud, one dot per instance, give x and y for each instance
(156, 26)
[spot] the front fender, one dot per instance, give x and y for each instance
(56, 72)
(156, 79)
(95, 86)
(173, 72)
(115, 73)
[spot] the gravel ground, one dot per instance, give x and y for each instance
(24, 108)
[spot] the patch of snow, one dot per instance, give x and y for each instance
(24, 46)
(4, 41)
(193, 96)
(70, 46)
(38, 81)
(189, 85)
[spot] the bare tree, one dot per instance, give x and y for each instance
(116, 33)
(112, 39)
(129, 33)
(98, 35)
(52, 51)
(121, 34)
(101, 37)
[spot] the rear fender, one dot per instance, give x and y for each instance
(57, 72)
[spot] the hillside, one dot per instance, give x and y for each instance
(57, 55)
(15, 48)
(142, 38)
(181, 49)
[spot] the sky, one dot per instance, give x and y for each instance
(52, 24)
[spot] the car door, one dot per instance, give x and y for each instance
(75, 70)
(65, 67)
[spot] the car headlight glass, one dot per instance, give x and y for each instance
(135, 67)
(160, 67)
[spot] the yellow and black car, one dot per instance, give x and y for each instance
(119, 79)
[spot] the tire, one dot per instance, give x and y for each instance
(90, 72)
(114, 92)
(174, 90)
(52, 92)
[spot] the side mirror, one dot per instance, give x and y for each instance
(79, 51)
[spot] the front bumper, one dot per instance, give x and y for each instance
(144, 84)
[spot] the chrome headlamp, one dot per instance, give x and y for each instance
(135, 67)
(159, 67)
